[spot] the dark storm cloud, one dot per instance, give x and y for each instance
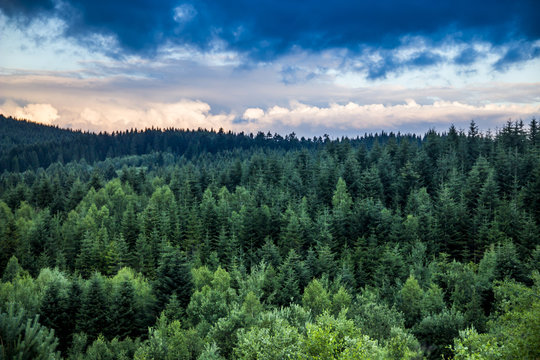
(390, 63)
(267, 28)
(467, 56)
(517, 53)
(25, 8)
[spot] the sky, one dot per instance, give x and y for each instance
(310, 67)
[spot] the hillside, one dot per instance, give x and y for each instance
(181, 244)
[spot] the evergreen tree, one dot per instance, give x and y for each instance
(130, 226)
(341, 214)
(172, 277)
(53, 311)
(25, 338)
(123, 314)
(411, 301)
(12, 270)
(94, 315)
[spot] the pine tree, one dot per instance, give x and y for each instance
(12, 270)
(25, 338)
(291, 234)
(87, 261)
(50, 309)
(209, 217)
(123, 316)
(144, 259)
(370, 184)
(73, 305)
(411, 301)
(316, 298)
(130, 226)
(54, 313)
(341, 214)
(172, 277)
(534, 133)
(93, 315)
(289, 280)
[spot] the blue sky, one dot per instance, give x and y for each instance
(313, 67)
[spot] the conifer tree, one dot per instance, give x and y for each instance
(94, 315)
(25, 338)
(130, 226)
(411, 301)
(123, 315)
(172, 277)
(341, 214)
(12, 270)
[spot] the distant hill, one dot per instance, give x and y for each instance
(27, 145)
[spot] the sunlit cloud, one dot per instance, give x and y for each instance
(304, 119)
(355, 117)
(40, 113)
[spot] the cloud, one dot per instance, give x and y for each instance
(40, 113)
(379, 67)
(27, 7)
(467, 56)
(184, 114)
(518, 53)
(266, 29)
(253, 114)
(353, 117)
(305, 119)
(296, 74)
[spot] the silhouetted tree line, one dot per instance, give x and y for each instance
(26, 145)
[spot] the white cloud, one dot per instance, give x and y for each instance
(40, 113)
(41, 46)
(184, 13)
(184, 114)
(348, 118)
(355, 117)
(253, 114)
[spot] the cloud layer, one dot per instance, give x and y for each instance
(304, 119)
(266, 28)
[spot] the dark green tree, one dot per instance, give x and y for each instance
(172, 277)
(94, 315)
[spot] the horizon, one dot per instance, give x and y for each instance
(486, 133)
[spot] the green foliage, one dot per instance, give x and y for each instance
(337, 338)
(172, 277)
(273, 247)
(214, 300)
(12, 270)
(341, 301)
(316, 298)
(210, 352)
(272, 339)
(24, 338)
(123, 313)
(474, 346)
(402, 345)
(116, 349)
(435, 332)
(517, 326)
(411, 301)
(375, 318)
(93, 316)
(169, 341)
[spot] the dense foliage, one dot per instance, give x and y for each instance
(211, 245)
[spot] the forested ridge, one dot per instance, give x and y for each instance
(203, 244)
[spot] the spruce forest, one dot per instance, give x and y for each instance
(207, 244)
